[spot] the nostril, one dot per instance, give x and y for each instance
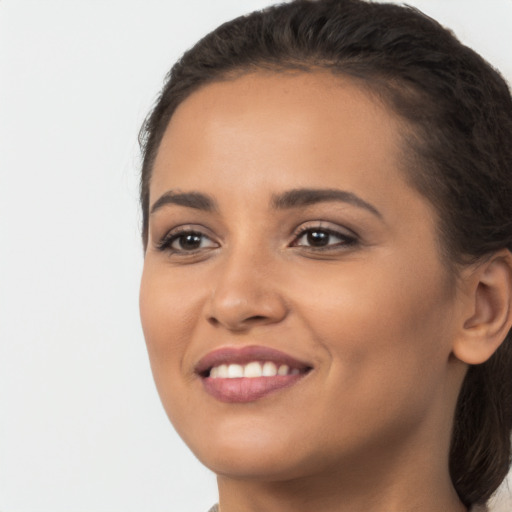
(237, 312)
(240, 324)
(255, 318)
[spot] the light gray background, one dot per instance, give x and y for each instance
(81, 427)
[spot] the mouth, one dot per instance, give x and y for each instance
(238, 375)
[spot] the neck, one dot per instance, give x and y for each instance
(326, 495)
(390, 479)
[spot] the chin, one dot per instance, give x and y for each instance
(264, 456)
(250, 465)
(250, 454)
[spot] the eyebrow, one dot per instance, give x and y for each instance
(295, 198)
(195, 200)
(301, 197)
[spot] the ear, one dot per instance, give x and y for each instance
(487, 317)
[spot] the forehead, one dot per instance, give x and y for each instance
(300, 125)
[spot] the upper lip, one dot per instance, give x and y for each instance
(244, 355)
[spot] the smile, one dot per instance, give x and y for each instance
(239, 375)
(252, 370)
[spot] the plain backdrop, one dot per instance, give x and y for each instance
(81, 426)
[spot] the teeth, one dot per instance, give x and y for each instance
(269, 369)
(222, 371)
(235, 371)
(284, 369)
(251, 370)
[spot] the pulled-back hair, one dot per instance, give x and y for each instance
(458, 117)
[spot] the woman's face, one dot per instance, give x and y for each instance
(282, 231)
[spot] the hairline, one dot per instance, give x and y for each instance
(375, 85)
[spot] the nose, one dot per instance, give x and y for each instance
(245, 295)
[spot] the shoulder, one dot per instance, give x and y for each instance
(474, 508)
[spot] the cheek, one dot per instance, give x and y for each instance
(381, 295)
(168, 314)
(388, 352)
(168, 310)
(384, 326)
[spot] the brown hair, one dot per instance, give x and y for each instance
(459, 155)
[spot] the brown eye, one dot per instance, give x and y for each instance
(186, 241)
(318, 238)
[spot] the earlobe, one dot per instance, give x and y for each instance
(488, 318)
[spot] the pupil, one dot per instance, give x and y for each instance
(318, 238)
(191, 241)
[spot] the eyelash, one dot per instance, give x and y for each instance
(165, 244)
(347, 241)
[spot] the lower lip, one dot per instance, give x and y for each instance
(243, 390)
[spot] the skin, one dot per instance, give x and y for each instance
(368, 429)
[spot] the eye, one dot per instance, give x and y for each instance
(323, 238)
(185, 241)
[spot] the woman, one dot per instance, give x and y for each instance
(326, 295)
